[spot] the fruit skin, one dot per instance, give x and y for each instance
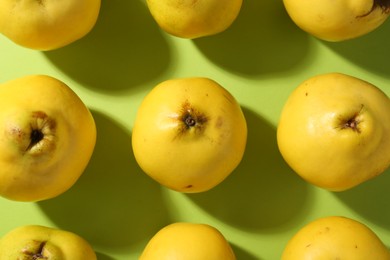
(338, 20)
(189, 158)
(194, 18)
(47, 25)
(40, 104)
(335, 237)
(334, 131)
(41, 242)
(190, 241)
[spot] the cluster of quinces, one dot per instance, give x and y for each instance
(334, 130)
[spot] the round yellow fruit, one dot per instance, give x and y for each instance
(194, 18)
(338, 20)
(189, 134)
(41, 242)
(189, 241)
(335, 238)
(334, 131)
(49, 24)
(47, 137)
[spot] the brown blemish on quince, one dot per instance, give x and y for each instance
(219, 122)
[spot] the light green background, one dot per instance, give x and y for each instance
(260, 60)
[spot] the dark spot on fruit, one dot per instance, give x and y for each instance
(41, 2)
(219, 122)
(39, 114)
(16, 131)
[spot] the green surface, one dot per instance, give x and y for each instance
(260, 60)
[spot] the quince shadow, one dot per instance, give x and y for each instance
(368, 51)
(370, 199)
(263, 193)
(262, 40)
(113, 205)
(242, 253)
(124, 49)
(101, 256)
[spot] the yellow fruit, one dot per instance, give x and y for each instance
(47, 136)
(39, 242)
(189, 241)
(189, 134)
(338, 20)
(334, 131)
(335, 238)
(194, 18)
(47, 25)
